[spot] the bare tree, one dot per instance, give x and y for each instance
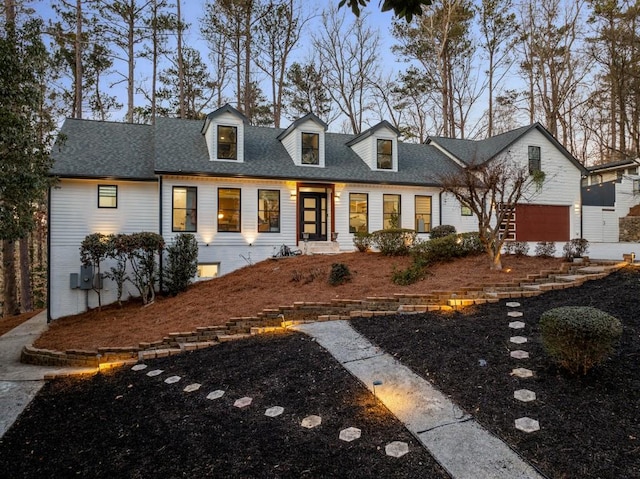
(491, 190)
(349, 55)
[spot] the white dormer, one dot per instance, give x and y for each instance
(304, 141)
(223, 131)
(378, 147)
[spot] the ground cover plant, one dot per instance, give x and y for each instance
(126, 424)
(589, 423)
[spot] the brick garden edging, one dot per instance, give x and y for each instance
(278, 319)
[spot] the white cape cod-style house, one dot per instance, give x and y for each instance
(244, 191)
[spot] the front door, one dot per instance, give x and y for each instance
(313, 216)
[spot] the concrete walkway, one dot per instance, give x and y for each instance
(19, 383)
(463, 447)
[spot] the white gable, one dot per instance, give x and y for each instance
(292, 141)
(211, 135)
(367, 147)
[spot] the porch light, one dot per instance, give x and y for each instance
(337, 195)
(293, 195)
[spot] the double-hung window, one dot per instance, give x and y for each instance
(269, 211)
(391, 211)
(229, 210)
(310, 149)
(358, 213)
(227, 142)
(534, 159)
(385, 149)
(423, 214)
(107, 196)
(185, 208)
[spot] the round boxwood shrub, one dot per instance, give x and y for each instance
(579, 337)
(441, 231)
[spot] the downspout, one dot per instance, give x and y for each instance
(440, 205)
(160, 228)
(49, 254)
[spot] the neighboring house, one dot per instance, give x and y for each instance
(609, 191)
(243, 191)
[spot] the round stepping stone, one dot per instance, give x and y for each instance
(513, 304)
(524, 395)
(274, 411)
(396, 449)
(172, 379)
(215, 394)
(522, 373)
(516, 325)
(515, 314)
(311, 421)
(155, 372)
(350, 434)
(192, 387)
(139, 367)
(243, 402)
(519, 354)
(527, 424)
(518, 339)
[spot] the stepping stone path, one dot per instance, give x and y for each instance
(311, 421)
(350, 434)
(155, 372)
(192, 387)
(139, 367)
(215, 394)
(274, 411)
(524, 424)
(242, 402)
(396, 449)
(172, 379)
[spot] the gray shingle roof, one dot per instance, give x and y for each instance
(98, 149)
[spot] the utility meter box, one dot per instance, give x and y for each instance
(86, 277)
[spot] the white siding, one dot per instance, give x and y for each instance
(452, 215)
(562, 178)
(367, 148)
(74, 215)
(600, 224)
(293, 142)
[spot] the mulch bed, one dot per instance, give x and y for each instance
(126, 424)
(590, 425)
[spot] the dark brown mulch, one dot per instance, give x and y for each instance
(590, 425)
(127, 424)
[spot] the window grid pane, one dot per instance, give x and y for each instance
(534, 159)
(227, 142)
(423, 214)
(229, 210)
(384, 154)
(310, 149)
(107, 196)
(269, 211)
(391, 211)
(358, 213)
(185, 200)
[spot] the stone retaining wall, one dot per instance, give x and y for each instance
(278, 319)
(629, 229)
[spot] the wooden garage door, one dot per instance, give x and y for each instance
(542, 223)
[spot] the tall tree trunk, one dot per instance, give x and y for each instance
(180, 64)
(10, 294)
(77, 108)
(131, 68)
(154, 62)
(25, 276)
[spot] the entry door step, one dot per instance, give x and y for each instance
(319, 247)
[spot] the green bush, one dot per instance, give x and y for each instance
(545, 249)
(393, 242)
(182, 263)
(579, 337)
(362, 241)
(441, 231)
(426, 253)
(339, 274)
(575, 248)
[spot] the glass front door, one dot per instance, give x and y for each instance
(313, 216)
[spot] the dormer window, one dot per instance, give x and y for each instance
(310, 148)
(385, 154)
(227, 142)
(534, 159)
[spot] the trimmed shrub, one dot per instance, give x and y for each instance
(393, 242)
(545, 249)
(182, 263)
(441, 231)
(575, 248)
(518, 248)
(362, 241)
(339, 274)
(578, 337)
